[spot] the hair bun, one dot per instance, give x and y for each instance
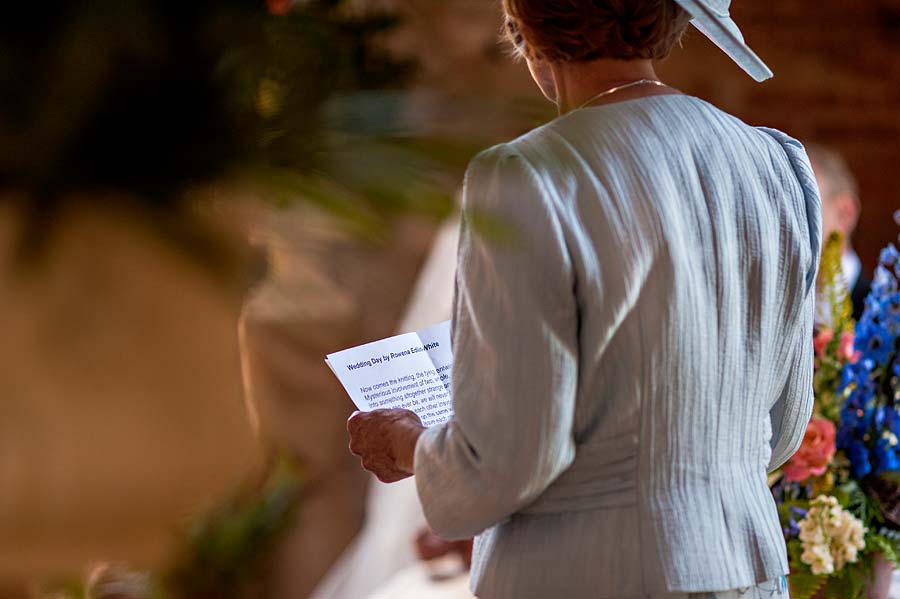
(579, 30)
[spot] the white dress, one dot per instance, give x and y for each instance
(381, 562)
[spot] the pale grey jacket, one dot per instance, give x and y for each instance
(633, 352)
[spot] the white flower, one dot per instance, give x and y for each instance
(819, 559)
(832, 537)
(812, 533)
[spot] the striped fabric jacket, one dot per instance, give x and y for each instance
(633, 353)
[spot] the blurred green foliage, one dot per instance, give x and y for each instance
(222, 553)
(138, 102)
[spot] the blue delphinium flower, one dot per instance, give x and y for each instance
(890, 314)
(872, 307)
(881, 416)
(849, 376)
(858, 454)
(889, 256)
(857, 375)
(858, 379)
(855, 423)
(859, 419)
(874, 341)
(869, 419)
(892, 420)
(793, 527)
(884, 283)
(846, 434)
(885, 456)
(892, 305)
(799, 511)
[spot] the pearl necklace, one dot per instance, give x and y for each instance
(613, 90)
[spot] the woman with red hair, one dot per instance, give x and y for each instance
(631, 362)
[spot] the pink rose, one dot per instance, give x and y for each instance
(821, 341)
(815, 452)
(845, 349)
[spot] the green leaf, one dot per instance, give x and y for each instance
(805, 584)
(889, 548)
(849, 583)
(223, 552)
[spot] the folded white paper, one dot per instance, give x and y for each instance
(410, 371)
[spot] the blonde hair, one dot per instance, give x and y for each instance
(831, 166)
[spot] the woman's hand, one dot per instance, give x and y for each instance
(429, 547)
(385, 440)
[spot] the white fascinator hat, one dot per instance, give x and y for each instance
(712, 18)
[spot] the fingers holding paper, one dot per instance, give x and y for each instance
(385, 441)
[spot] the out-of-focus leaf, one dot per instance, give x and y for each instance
(222, 551)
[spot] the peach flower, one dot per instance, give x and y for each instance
(845, 349)
(815, 452)
(821, 341)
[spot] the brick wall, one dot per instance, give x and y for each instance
(837, 79)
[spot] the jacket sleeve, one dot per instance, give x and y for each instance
(791, 412)
(515, 364)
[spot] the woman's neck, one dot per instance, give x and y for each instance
(577, 83)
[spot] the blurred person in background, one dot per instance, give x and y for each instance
(610, 435)
(387, 543)
(841, 208)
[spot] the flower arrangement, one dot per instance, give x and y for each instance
(836, 495)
